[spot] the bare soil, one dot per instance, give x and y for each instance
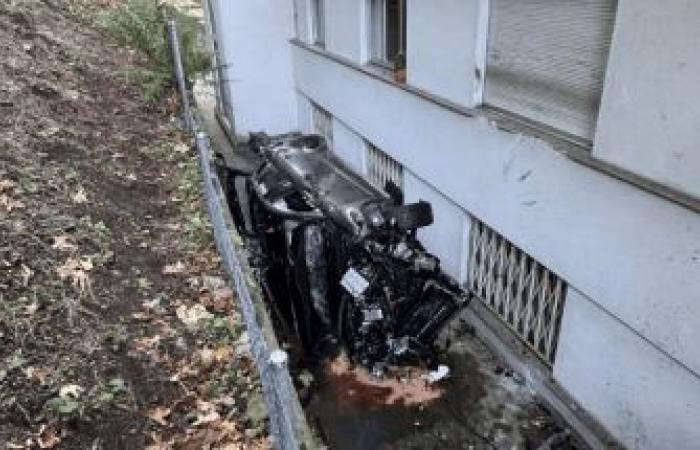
(117, 327)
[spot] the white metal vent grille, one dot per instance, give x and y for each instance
(382, 168)
(322, 123)
(523, 293)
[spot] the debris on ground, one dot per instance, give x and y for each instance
(117, 327)
(355, 385)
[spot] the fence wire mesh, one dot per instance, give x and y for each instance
(287, 422)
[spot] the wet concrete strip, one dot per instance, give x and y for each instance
(481, 405)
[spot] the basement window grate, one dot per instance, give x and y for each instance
(322, 123)
(382, 168)
(523, 293)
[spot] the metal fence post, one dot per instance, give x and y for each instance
(179, 73)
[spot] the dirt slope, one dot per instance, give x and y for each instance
(117, 329)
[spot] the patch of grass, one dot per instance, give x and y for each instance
(221, 330)
(102, 398)
(140, 25)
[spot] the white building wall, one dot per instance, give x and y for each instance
(645, 398)
(344, 26)
(594, 231)
(448, 237)
(636, 255)
(349, 146)
(304, 114)
(302, 20)
(650, 117)
(442, 48)
(255, 36)
(631, 258)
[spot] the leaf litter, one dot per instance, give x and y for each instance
(117, 327)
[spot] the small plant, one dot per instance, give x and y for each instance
(221, 329)
(400, 68)
(72, 402)
(140, 24)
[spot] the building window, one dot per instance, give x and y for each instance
(388, 33)
(318, 23)
(322, 123)
(546, 61)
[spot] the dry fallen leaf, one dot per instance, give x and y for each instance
(31, 308)
(158, 443)
(80, 196)
(172, 269)
(77, 271)
(48, 437)
(62, 243)
(206, 413)
(145, 344)
(151, 304)
(36, 374)
(12, 445)
(158, 415)
(223, 353)
(222, 300)
(181, 148)
(70, 390)
(184, 371)
(207, 356)
(193, 315)
(9, 204)
(6, 185)
(26, 275)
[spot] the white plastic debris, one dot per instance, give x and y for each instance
(436, 375)
(278, 358)
(354, 283)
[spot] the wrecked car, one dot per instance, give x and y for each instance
(339, 258)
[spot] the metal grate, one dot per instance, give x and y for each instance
(382, 168)
(523, 293)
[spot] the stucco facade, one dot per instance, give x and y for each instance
(630, 257)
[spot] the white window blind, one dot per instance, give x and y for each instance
(546, 60)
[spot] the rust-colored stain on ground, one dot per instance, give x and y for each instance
(355, 386)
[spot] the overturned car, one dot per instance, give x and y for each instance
(339, 258)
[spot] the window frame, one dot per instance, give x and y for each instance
(378, 33)
(317, 23)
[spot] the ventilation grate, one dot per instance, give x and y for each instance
(322, 123)
(382, 168)
(523, 293)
